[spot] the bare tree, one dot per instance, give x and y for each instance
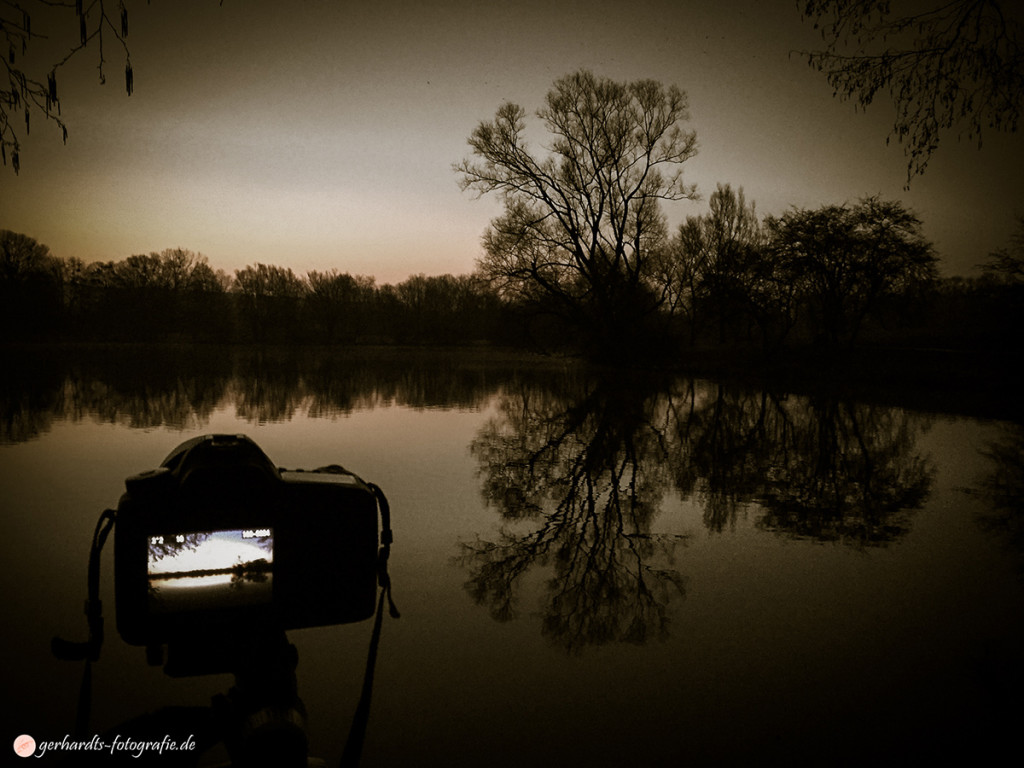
(958, 62)
(21, 255)
(29, 285)
(583, 220)
(844, 258)
(1007, 263)
(331, 303)
(715, 254)
(101, 24)
(269, 300)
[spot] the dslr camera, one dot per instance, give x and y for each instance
(218, 543)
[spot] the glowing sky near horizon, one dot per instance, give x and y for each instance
(319, 135)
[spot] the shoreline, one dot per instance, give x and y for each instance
(979, 383)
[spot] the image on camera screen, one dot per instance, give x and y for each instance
(202, 571)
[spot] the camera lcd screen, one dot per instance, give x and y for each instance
(211, 570)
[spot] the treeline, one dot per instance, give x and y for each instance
(176, 295)
(832, 277)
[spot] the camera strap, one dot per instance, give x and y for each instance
(357, 731)
(90, 649)
(386, 538)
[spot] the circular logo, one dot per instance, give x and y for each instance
(24, 746)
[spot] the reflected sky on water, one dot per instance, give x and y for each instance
(592, 569)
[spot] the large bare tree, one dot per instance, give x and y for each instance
(582, 218)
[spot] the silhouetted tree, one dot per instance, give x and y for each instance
(75, 298)
(269, 301)
(480, 309)
(717, 268)
(843, 258)
(335, 303)
(954, 62)
(730, 236)
(423, 302)
(171, 295)
(681, 271)
(444, 309)
(969, 313)
(30, 294)
(1004, 305)
(1007, 263)
(581, 223)
(174, 292)
(386, 323)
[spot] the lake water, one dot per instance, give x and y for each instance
(591, 569)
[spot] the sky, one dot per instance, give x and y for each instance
(321, 134)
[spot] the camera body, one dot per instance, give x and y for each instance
(219, 543)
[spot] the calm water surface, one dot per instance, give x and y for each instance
(591, 569)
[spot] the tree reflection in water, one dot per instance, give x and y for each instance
(1004, 487)
(578, 465)
(848, 472)
(586, 472)
(142, 387)
(578, 475)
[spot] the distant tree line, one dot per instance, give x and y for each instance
(834, 277)
(176, 295)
